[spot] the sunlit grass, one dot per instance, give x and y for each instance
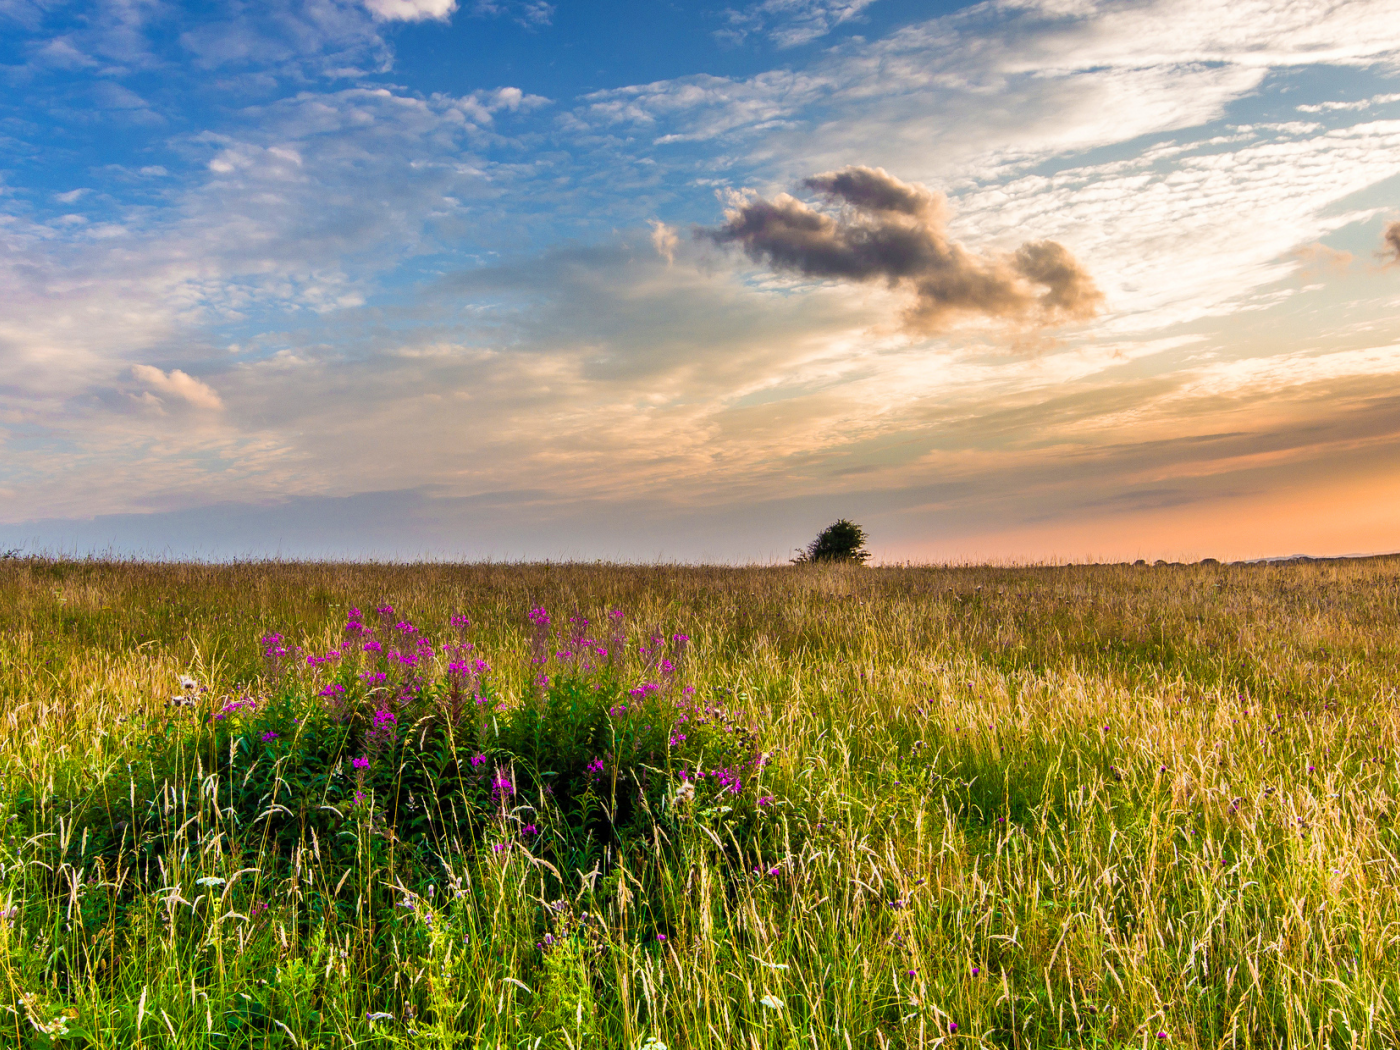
(1089, 806)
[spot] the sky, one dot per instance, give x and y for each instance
(513, 279)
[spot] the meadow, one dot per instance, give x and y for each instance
(567, 806)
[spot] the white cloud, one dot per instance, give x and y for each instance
(411, 10)
(790, 23)
(28, 13)
(113, 96)
(1007, 83)
(290, 39)
(664, 240)
(1365, 103)
(111, 36)
(1198, 232)
(178, 384)
(528, 13)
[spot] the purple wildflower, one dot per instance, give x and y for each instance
(501, 787)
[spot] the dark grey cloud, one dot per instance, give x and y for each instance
(893, 231)
(1391, 239)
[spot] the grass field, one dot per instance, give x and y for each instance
(779, 807)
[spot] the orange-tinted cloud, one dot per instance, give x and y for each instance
(897, 232)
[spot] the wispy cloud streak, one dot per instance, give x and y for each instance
(790, 23)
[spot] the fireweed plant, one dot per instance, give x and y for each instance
(397, 751)
(1088, 806)
(418, 736)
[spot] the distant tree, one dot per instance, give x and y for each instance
(840, 541)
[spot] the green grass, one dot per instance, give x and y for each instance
(1051, 806)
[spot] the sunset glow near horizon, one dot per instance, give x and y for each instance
(521, 279)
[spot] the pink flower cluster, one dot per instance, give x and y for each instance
(245, 703)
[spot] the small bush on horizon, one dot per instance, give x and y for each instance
(841, 541)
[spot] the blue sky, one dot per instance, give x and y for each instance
(405, 277)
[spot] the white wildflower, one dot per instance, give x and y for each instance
(772, 1001)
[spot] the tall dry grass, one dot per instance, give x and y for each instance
(1069, 806)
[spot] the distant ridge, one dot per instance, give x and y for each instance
(1311, 557)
